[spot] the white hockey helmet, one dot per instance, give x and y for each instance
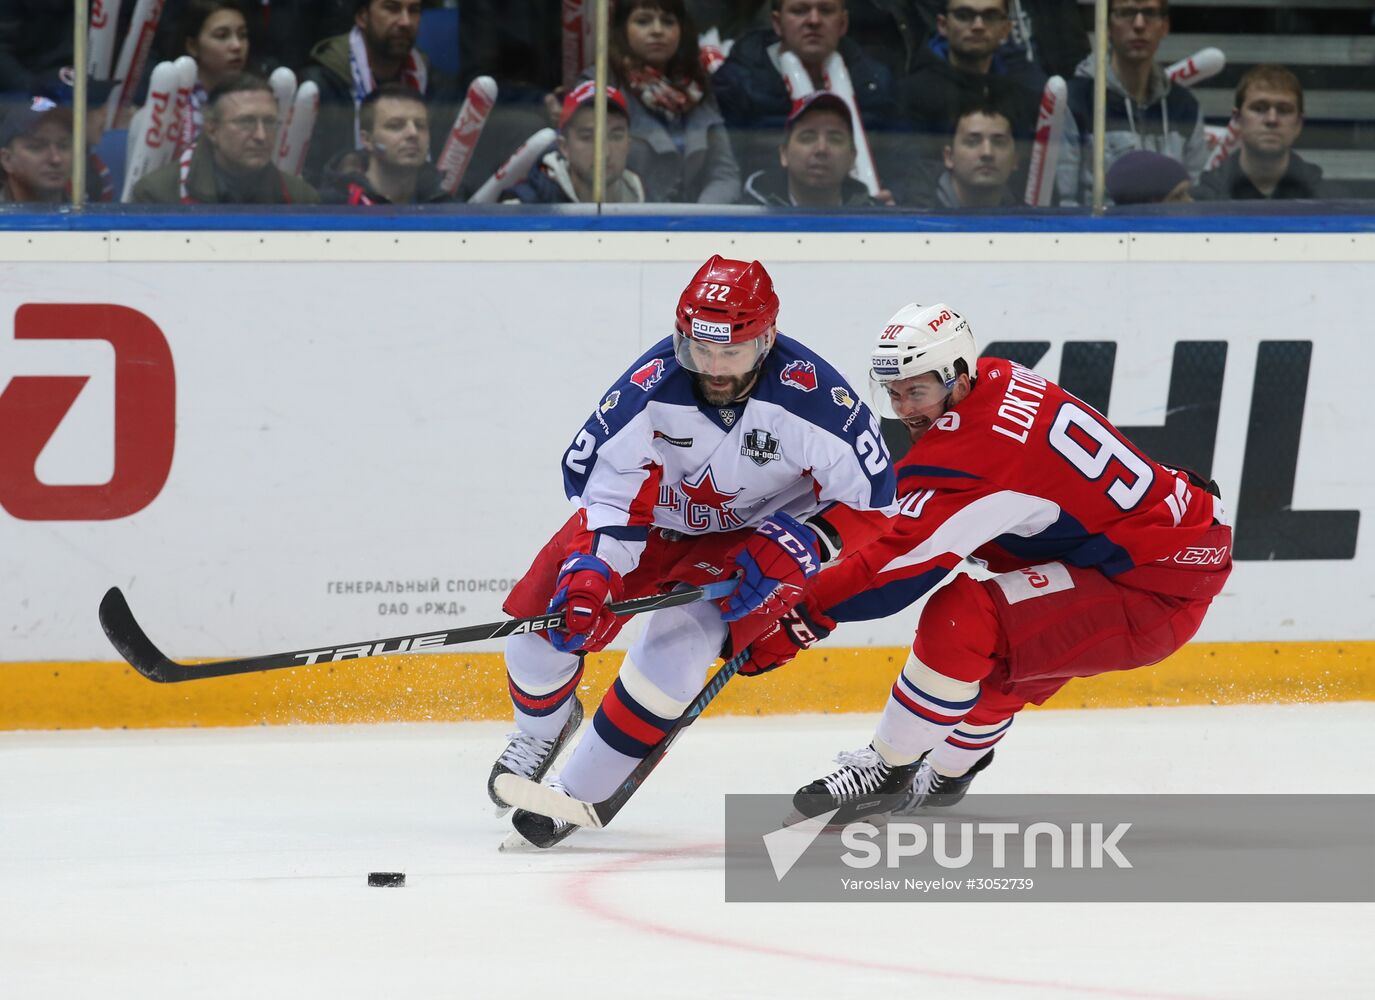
(920, 339)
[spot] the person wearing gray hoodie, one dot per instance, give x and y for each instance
(1144, 109)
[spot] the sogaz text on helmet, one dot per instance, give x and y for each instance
(727, 303)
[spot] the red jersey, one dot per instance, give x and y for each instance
(1019, 473)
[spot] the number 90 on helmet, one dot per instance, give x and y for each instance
(726, 314)
(919, 340)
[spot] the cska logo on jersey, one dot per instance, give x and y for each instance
(649, 375)
(699, 501)
(799, 375)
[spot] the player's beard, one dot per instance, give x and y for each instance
(727, 389)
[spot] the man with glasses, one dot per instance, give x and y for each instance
(1048, 37)
(231, 163)
(960, 68)
(1269, 112)
(1145, 110)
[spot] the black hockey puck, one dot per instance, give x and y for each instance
(386, 878)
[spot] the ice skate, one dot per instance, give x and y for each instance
(542, 831)
(863, 785)
(531, 757)
(930, 790)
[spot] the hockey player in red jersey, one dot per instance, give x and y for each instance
(726, 450)
(1105, 560)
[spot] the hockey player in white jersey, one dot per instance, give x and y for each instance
(726, 449)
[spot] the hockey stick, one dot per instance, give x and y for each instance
(134, 645)
(526, 794)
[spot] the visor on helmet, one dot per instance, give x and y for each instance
(921, 392)
(705, 354)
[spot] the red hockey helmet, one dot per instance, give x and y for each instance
(727, 302)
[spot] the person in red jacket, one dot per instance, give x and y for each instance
(1103, 559)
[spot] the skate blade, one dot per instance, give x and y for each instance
(794, 817)
(515, 843)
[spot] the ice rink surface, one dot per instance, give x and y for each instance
(233, 863)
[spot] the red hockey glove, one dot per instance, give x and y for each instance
(775, 561)
(801, 628)
(581, 592)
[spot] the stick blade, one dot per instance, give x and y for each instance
(525, 794)
(132, 643)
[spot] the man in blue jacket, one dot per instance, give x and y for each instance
(754, 99)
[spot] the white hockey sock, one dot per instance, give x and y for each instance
(659, 677)
(965, 747)
(629, 723)
(540, 684)
(923, 708)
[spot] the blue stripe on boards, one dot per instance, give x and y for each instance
(1332, 217)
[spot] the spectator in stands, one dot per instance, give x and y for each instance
(564, 174)
(1268, 112)
(960, 68)
(979, 158)
(231, 164)
(1145, 111)
(215, 34)
(1045, 37)
(815, 160)
(678, 142)
(35, 41)
(1145, 178)
(281, 32)
(36, 152)
(755, 101)
(393, 165)
(60, 87)
(380, 48)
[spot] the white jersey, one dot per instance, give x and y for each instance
(654, 453)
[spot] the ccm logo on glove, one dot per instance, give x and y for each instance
(774, 563)
(803, 552)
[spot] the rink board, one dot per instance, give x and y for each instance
(338, 436)
(452, 688)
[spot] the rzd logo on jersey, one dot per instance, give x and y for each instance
(648, 375)
(33, 408)
(799, 375)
